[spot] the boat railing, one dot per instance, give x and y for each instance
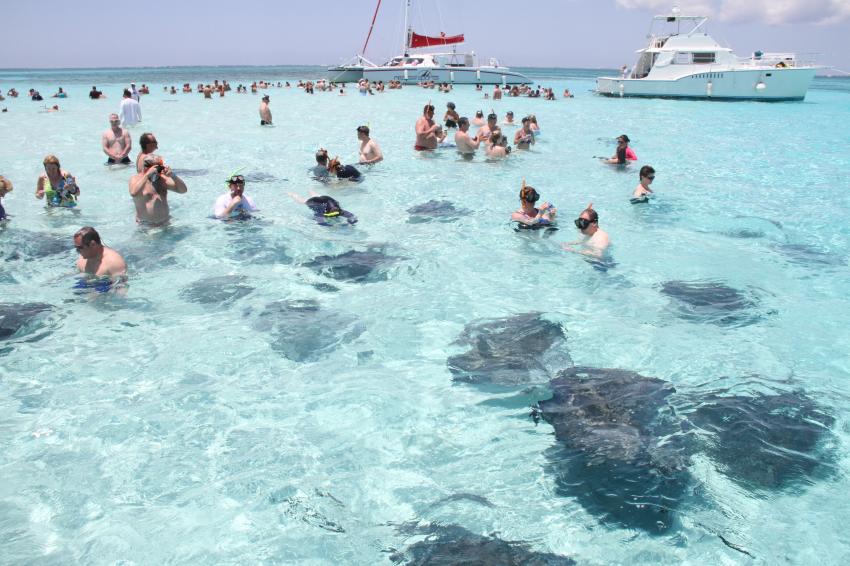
(759, 59)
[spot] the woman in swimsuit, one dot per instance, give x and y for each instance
(529, 216)
(451, 118)
(56, 184)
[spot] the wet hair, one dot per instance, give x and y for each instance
(51, 159)
(495, 136)
(145, 139)
(492, 116)
(116, 117)
(334, 164)
(592, 216)
(428, 108)
(509, 113)
(479, 113)
(528, 194)
(526, 119)
(646, 171)
(5, 184)
(462, 120)
(127, 93)
(625, 138)
(363, 130)
(88, 235)
(450, 105)
(322, 157)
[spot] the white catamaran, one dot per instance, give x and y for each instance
(693, 65)
(419, 66)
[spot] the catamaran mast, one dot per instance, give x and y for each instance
(406, 28)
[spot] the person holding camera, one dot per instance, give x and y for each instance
(56, 185)
(234, 204)
(149, 190)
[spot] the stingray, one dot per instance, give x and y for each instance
(765, 441)
(260, 177)
(360, 267)
(803, 254)
(712, 302)
(217, 290)
(435, 210)
(511, 351)
(619, 451)
(452, 545)
(25, 245)
(190, 172)
(20, 319)
(303, 331)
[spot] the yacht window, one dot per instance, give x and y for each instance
(682, 59)
(703, 58)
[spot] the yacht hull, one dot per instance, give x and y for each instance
(345, 74)
(454, 75)
(768, 84)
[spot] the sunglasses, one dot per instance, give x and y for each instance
(651, 177)
(582, 223)
(79, 248)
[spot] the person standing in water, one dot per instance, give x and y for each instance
(265, 112)
(594, 241)
(116, 142)
(370, 151)
(426, 137)
(642, 191)
(95, 258)
(57, 185)
(149, 190)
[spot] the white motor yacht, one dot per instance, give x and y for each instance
(691, 64)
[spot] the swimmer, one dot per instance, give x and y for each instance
(451, 118)
(642, 191)
(484, 131)
(5, 189)
(524, 137)
(567, 93)
(497, 145)
(341, 171)
(54, 108)
(497, 93)
(60, 94)
(594, 241)
(265, 113)
(97, 259)
(325, 209)
(479, 118)
(509, 119)
(370, 151)
(149, 190)
(533, 122)
(528, 215)
(234, 204)
(320, 170)
(95, 94)
(425, 130)
(624, 153)
(116, 142)
(466, 145)
(57, 185)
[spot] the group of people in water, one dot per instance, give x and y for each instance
(154, 180)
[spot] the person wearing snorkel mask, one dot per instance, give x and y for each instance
(326, 210)
(529, 214)
(234, 204)
(594, 241)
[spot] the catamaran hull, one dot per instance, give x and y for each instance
(768, 84)
(454, 75)
(345, 74)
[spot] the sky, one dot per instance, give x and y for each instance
(536, 33)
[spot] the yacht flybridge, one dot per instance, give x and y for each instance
(416, 66)
(690, 64)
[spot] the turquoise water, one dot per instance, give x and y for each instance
(186, 424)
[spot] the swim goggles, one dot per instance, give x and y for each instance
(582, 223)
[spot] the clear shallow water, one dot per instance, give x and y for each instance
(157, 429)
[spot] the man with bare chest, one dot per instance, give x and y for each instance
(116, 142)
(149, 190)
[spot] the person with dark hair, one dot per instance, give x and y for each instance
(624, 153)
(529, 215)
(116, 142)
(484, 131)
(234, 204)
(370, 151)
(149, 190)
(524, 137)
(147, 145)
(95, 258)
(426, 138)
(320, 170)
(594, 241)
(131, 110)
(347, 172)
(451, 117)
(642, 191)
(265, 112)
(479, 118)
(326, 210)
(466, 145)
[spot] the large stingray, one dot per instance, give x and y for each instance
(217, 290)
(619, 452)
(712, 302)
(452, 545)
(303, 331)
(435, 210)
(767, 441)
(18, 319)
(804, 254)
(25, 245)
(520, 349)
(361, 267)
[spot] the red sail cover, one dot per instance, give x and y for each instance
(417, 40)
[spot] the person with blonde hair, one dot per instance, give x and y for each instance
(57, 185)
(5, 189)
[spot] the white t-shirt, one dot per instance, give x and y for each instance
(246, 206)
(131, 112)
